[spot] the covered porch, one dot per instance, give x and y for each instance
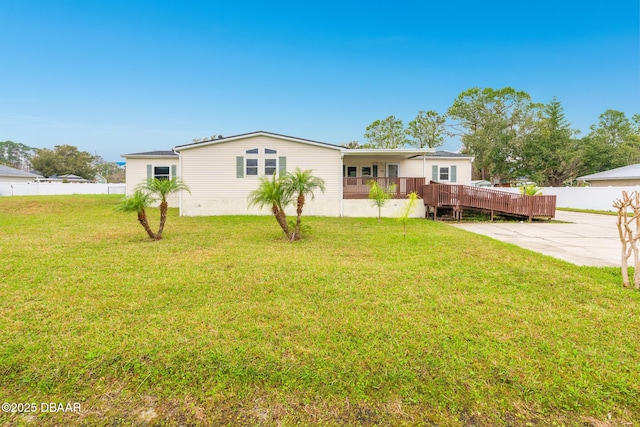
(357, 187)
(399, 171)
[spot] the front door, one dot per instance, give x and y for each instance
(393, 170)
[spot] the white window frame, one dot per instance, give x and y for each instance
(444, 169)
(161, 176)
(252, 157)
(273, 155)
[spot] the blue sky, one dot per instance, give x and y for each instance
(114, 77)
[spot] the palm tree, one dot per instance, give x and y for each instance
(272, 192)
(302, 183)
(138, 202)
(163, 188)
(379, 195)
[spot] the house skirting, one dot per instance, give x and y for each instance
(239, 206)
(358, 208)
(361, 208)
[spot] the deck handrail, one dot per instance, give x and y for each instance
(357, 187)
(446, 195)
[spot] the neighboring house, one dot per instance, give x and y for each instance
(100, 179)
(67, 178)
(9, 174)
(222, 172)
(481, 183)
(619, 177)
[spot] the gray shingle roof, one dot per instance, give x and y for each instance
(447, 154)
(158, 153)
(9, 171)
(625, 172)
(260, 132)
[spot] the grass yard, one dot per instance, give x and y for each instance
(224, 323)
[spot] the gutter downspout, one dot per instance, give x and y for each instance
(424, 165)
(180, 175)
(341, 184)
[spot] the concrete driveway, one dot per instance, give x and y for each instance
(588, 239)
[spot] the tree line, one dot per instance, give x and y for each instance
(62, 160)
(513, 137)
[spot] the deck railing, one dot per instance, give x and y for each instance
(357, 187)
(443, 195)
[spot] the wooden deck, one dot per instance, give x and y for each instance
(357, 187)
(456, 198)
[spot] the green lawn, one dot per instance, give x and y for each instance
(224, 323)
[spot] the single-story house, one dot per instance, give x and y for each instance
(66, 178)
(618, 177)
(9, 174)
(221, 172)
(483, 183)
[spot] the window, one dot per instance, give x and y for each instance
(270, 161)
(352, 171)
(252, 167)
(270, 166)
(444, 174)
(162, 172)
(366, 171)
(251, 162)
(260, 162)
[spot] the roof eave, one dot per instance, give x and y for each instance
(252, 134)
(386, 151)
(148, 156)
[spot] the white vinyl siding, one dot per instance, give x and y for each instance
(210, 172)
(138, 170)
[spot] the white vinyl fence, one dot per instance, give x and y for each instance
(596, 198)
(593, 198)
(57, 188)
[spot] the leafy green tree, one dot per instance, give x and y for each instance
(386, 133)
(15, 154)
(302, 184)
(138, 202)
(492, 124)
(427, 129)
(612, 142)
(63, 159)
(109, 170)
(379, 195)
(551, 154)
(352, 144)
(272, 192)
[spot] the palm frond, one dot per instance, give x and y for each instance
(162, 188)
(137, 202)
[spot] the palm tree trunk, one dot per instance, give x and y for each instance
(164, 207)
(296, 233)
(281, 218)
(142, 218)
